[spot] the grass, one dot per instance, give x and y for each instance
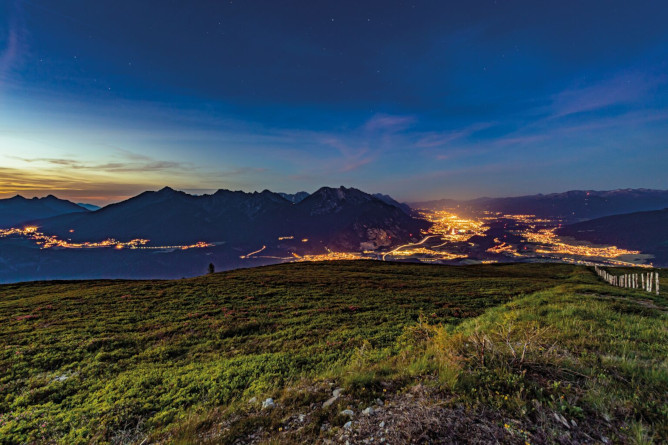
(177, 361)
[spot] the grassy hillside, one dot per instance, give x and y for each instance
(533, 353)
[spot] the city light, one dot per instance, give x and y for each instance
(52, 241)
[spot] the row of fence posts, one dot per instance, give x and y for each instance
(647, 281)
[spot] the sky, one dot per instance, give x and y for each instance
(422, 100)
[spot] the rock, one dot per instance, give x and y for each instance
(252, 400)
(379, 402)
(329, 402)
(347, 412)
(369, 411)
(268, 404)
(382, 424)
(337, 392)
(348, 425)
(302, 417)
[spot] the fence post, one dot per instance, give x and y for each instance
(650, 279)
(657, 282)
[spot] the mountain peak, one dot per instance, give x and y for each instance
(340, 193)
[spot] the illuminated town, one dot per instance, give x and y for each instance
(485, 237)
(53, 242)
(490, 237)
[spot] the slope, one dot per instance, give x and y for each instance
(178, 361)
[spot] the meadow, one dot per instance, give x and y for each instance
(521, 353)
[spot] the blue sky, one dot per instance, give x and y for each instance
(421, 100)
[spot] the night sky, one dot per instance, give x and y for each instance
(100, 100)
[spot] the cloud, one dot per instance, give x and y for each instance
(440, 138)
(148, 165)
(389, 123)
(626, 88)
(15, 48)
(131, 155)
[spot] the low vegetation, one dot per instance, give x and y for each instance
(519, 353)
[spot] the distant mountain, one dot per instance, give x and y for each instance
(338, 218)
(91, 207)
(644, 231)
(349, 219)
(576, 205)
(294, 198)
(17, 210)
(387, 199)
(437, 204)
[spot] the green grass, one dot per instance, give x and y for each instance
(117, 361)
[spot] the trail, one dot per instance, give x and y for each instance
(253, 253)
(408, 245)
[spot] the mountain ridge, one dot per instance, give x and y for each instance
(644, 231)
(19, 210)
(572, 205)
(339, 217)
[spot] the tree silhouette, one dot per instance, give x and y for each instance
(212, 268)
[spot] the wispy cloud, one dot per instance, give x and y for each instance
(442, 138)
(148, 165)
(623, 89)
(389, 123)
(11, 55)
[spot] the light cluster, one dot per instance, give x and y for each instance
(451, 227)
(553, 245)
(52, 241)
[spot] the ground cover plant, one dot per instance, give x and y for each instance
(538, 353)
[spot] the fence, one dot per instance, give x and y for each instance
(647, 281)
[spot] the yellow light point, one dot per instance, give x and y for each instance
(305, 240)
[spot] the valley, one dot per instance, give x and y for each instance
(172, 234)
(490, 237)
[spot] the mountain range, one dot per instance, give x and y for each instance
(284, 226)
(18, 209)
(341, 218)
(644, 231)
(571, 206)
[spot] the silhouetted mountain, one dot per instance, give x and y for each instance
(387, 199)
(17, 210)
(294, 198)
(437, 204)
(576, 205)
(338, 218)
(644, 231)
(91, 207)
(349, 219)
